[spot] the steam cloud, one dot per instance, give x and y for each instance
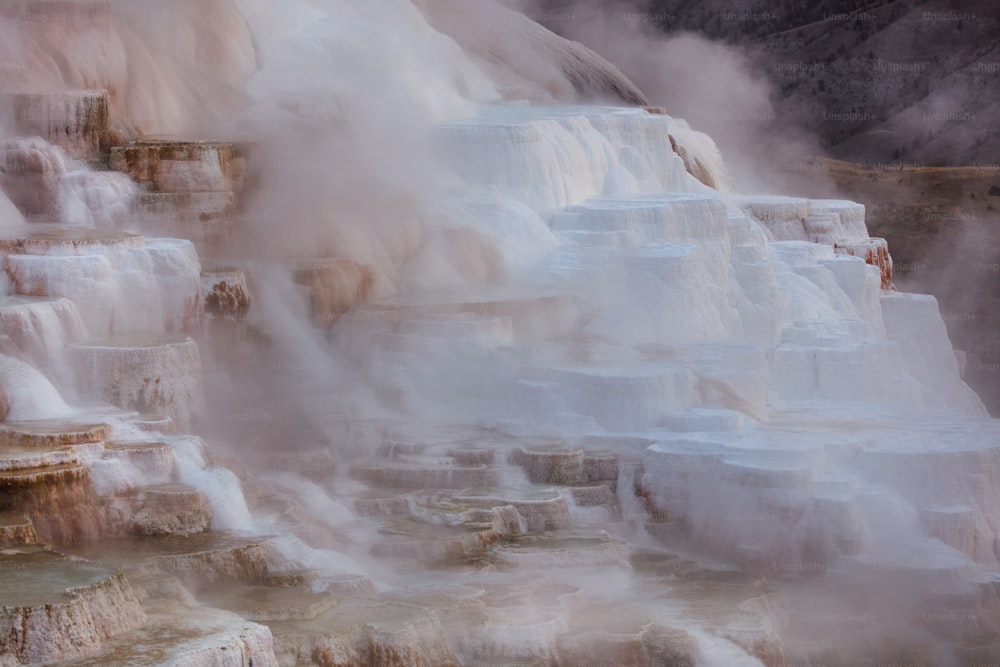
(345, 103)
(713, 86)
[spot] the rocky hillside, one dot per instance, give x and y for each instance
(875, 80)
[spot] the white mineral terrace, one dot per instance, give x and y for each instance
(568, 405)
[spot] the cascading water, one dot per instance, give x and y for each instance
(479, 374)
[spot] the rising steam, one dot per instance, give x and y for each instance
(443, 230)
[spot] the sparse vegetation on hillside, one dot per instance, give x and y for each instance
(879, 80)
(875, 80)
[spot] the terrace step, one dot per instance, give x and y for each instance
(16, 528)
(564, 549)
(150, 373)
(431, 474)
(16, 457)
(208, 558)
(635, 220)
(58, 498)
(365, 632)
(269, 603)
(48, 436)
(179, 166)
(170, 509)
(174, 634)
(153, 460)
(54, 608)
(76, 121)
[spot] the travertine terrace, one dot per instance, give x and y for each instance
(531, 392)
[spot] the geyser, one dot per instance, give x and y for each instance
(456, 358)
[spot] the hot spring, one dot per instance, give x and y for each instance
(379, 332)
